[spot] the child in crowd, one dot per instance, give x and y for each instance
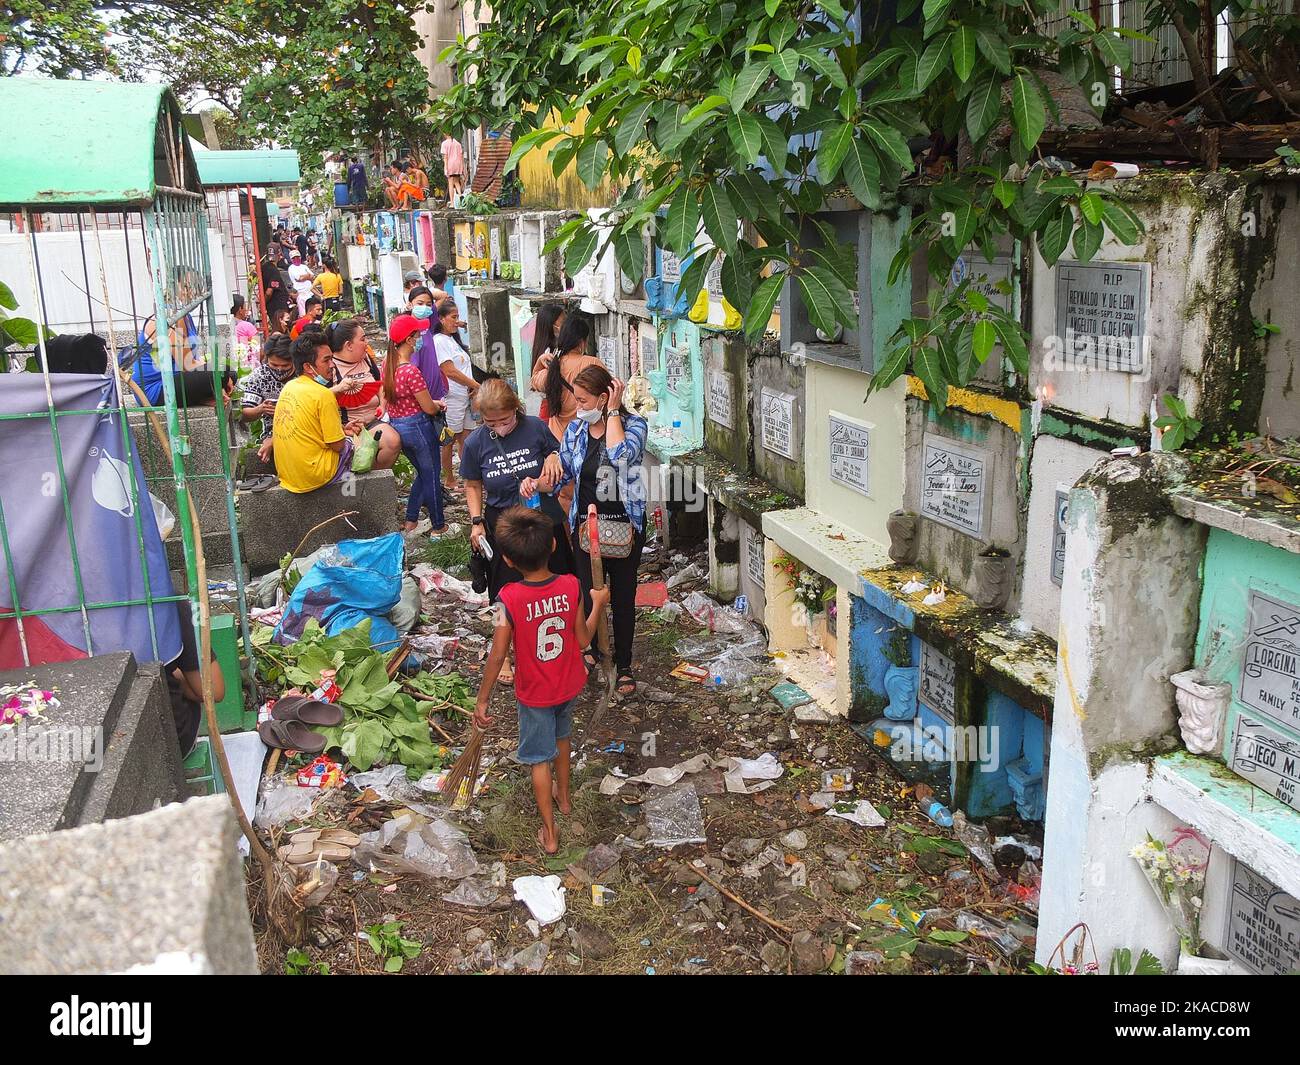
(542, 616)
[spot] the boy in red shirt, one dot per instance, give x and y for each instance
(542, 615)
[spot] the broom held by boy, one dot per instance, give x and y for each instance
(542, 616)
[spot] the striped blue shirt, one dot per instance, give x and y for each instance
(627, 459)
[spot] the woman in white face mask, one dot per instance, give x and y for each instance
(508, 460)
(602, 454)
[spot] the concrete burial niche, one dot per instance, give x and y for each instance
(609, 343)
(998, 280)
(678, 387)
(160, 892)
(276, 519)
(108, 750)
(962, 480)
(1056, 466)
(1167, 315)
(726, 397)
(776, 417)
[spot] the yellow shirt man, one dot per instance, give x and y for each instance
(306, 422)
(330, 285)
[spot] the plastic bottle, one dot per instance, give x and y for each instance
(677, 431)
(933, 808)
(534, 501)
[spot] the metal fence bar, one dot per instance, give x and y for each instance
(127, 446)
(154, 241)
(33, 262)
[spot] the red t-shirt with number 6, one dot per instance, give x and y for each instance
(548, 661)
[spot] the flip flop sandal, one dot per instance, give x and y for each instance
(625, 680)
(308, 711)
(291, 736)
(329, 852)
(258, 484)
(340, 836)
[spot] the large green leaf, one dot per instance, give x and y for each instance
(693, 276)
(983, 336)
(7, 298)
(963, 50)
(22, 331)
(1028, 113)
(631, 126)
(786, 64)
(592, 157)
(862, 172)
(983, 107)
(830, 153)
(1087, 239)
(578, 252)
(705, 107)
(683, 223)
(889, 141)
(1114, 51)
(932, 61)
(776, 146)
(1122, 222)
(749, 81)
(759, 310)
(737, 280)
(1053, 239)
(928, 365)
(719, 215)
(826, 298)
(746, 136)
(629, 250)
(994, 48)
(752, 196)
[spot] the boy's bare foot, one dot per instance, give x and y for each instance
(565, 806)
(550, 847)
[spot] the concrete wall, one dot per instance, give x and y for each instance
(1209, 238)
(770, 369)
(723, 358)
(1114, 702)
(543, 189)
(946, 551)
(1274, 302)
(842, 392)
(1056, 464)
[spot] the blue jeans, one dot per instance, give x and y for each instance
(419, 446)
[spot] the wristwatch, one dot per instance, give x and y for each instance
(476, 521)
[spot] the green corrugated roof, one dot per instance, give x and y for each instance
(69, 143)
(257, 167)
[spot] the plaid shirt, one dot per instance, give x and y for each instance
(626, 458)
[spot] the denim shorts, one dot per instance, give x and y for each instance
(539, 729)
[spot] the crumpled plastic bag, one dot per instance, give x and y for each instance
(351, 581)
(388, 782)
(407, 611)
(673, 816)
(283, 801)
(543, 895)
(474, 893)
(433, 580)
(714, 616)
(402, 845)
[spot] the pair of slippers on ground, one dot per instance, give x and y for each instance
(291, 722)
(310, 845)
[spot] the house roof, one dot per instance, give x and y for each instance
(255, 167)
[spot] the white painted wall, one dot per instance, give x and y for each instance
(63, 270)
(1178, 252)
(830, 389)
(1056, 463)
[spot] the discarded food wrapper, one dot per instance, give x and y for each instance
(601, 895)
(881, 910)
(1104, 169)
(860, 813)
(837, 779)
(434, 645)
(324, 772)
(913, 585)
(327, 691)
(689, 671)
(543, 895)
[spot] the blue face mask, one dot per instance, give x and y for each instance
(421, 312)
(321, 380)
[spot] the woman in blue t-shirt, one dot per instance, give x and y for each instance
(510, 459)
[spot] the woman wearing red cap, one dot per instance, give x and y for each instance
(410, 409)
